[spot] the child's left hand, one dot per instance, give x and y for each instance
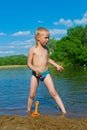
(60, 68)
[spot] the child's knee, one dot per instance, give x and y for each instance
(53, 94)
(31, 96)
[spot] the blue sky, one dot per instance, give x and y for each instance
(19, 20)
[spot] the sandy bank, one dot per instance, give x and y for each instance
(42, 122)
(13, 66)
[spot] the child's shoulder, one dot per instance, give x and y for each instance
(32, 48)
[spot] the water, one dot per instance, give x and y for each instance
(71, 85)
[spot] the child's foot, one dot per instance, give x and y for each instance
(61, 115)
(63, 112)
(29, 113)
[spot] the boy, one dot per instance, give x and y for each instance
(38, 60)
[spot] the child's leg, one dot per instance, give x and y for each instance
(50, 85)
(33, 88)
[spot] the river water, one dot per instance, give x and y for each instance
(71, 85)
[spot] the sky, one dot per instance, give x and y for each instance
(19, 20)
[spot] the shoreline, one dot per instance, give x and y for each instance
(12, 66)
(42, 122)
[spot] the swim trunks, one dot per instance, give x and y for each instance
(43, 75)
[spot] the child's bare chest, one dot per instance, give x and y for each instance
(41, 53)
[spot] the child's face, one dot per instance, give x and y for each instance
(44, 38)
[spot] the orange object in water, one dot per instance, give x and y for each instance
(35, 113)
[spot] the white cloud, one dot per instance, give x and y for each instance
(15, 43)
(28, 43)
(85, 15)
(40, 21)
(67, 22)
(22, 43)
(83, 20)
(2, 34)
(57, 32)
(17, 47)
(7, 52)
(21, 33)
(11, 47)
(6, 47)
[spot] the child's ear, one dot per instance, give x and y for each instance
(38, 38)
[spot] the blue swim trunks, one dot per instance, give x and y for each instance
(43, 74)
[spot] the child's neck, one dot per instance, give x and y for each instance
(41, 46)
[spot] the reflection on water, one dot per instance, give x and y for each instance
(71, 85)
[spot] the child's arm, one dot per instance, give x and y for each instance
(52, 62)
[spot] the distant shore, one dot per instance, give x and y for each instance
(12, 66)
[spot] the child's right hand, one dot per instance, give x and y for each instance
(38, 74)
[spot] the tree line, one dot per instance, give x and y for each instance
(69, 50)
(13, 60)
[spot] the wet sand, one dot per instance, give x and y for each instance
(42, 122)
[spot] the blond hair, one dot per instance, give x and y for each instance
(39, 32)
